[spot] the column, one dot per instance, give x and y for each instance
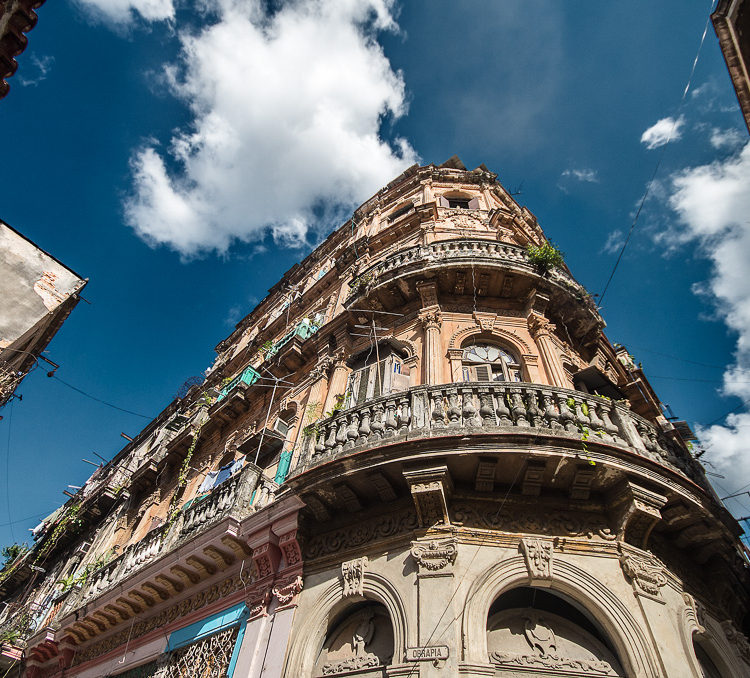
(336, 384)
(430, 317)
(541, 330)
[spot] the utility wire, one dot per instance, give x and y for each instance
(7, 474)
(99, 400)
(21, 520)
(658, 161)
(674, 357)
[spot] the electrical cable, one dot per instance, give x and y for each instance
(21, 520)
(674, 357)
(99, 400)
(7, 474)
(658, 161)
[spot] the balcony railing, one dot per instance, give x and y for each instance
(458, 252)
(490, 407)
(232, 497)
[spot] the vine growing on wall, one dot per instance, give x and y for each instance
(174, 510)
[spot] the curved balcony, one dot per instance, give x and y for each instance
(502, 413)
(463, 253)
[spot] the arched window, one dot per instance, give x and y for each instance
(487, 362)
(708, 668)
(540, 633)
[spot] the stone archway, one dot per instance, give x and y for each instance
(540, 633)
(632, 648)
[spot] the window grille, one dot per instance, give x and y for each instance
(208, 658)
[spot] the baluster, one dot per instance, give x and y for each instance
(609, 426)
(331, 437)
(485, 407)
(319, 445)
(438, 416)
(377, 422)
(551, 415)
(518, 409)
(352, 431)
(364, 426)
(595, 408)
(502, 411)
(340, 432)
(578, 412)
(390, 419)
(468, 410)
(643, 431)
(567, 418)
(454, 411)
(532, 407)
(404, 418)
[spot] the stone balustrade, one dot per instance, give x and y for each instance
(459, 251)
(232, 497)
(493, 407)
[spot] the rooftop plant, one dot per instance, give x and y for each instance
(544, 257)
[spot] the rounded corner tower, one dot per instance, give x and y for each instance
(420, 457)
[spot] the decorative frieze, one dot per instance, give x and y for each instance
(538, 554)
(435, 554)
(353, 575)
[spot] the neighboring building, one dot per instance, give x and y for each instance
(17, 17)
(732, 24)
(37, 293)
(418, 456)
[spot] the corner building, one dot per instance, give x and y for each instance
(419, 456)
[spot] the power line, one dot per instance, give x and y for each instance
(99, 400)
(7, 473)
(674, 357)
(658, 161)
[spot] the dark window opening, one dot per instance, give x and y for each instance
(460, 203)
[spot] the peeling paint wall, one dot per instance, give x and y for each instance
(32, 284)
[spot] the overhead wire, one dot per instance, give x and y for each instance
(7, 473)
(658, 160)
(99, 400)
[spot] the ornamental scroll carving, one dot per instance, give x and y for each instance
(737, 639)
(353, 573)
(538, 554)
(285, 593)
(436, 554)
(646, 575)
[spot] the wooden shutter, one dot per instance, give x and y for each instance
(474, 204)
(483, 372)
(442, 202)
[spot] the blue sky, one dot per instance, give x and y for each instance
(184, 155)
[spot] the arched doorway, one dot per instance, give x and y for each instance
(359, 641)
(543, 634)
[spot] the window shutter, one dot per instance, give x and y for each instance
(442, 202)
(364, 378)
(474, 204)
(483, 372)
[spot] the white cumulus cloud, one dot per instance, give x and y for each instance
(713, 205)
(287, 110)
(662, 132)
(726, 138)
(122, 12)
(584, 175)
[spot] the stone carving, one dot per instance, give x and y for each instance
(585, 666)
(485, 515)
(353, 573)
(431, 319)
(354, 536)
(486, 321)
(435, 554)
(694, 614)
(289, 546)
(285, 593)
(647, 576)
(352, 664)
(362, 636)
(540, 636)
(538, 554)
(737, 639)
(430, 488)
